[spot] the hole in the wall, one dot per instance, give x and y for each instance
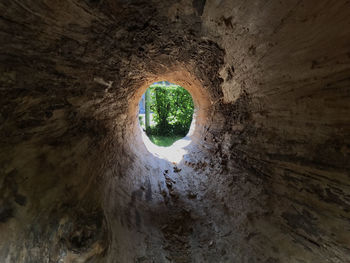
(166, 112)
(166, 120)
(141, 145)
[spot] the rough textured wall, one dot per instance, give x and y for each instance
(291, 61)
(266, 178)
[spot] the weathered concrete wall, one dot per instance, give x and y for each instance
(266, 178)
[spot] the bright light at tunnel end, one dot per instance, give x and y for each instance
(174, 153)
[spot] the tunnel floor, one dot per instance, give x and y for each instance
(184, 212)
(179, 213)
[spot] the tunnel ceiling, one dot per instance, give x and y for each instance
(266, 176)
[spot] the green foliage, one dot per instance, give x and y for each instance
(165, 141)
(173, 109)
(142, 124)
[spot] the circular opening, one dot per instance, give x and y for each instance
(140, 143)
(165, 113)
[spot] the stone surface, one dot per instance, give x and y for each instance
(266, 176)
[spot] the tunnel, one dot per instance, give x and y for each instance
(262, 176)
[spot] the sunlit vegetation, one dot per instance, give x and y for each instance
(166, 113)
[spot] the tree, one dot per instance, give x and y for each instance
(147, 110)
(173, 110)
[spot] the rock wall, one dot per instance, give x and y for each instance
(265, 177)
(291, 64)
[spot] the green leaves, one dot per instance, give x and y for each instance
(172, 110)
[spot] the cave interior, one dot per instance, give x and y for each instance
(262, 176)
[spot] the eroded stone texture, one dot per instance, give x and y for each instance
(266, 178)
